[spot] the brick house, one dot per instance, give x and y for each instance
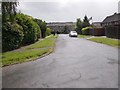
(113, 20)
(112, 26)
(97, 30)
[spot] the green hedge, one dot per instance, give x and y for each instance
(31, 29)
(12, 36)
(86, 30)
(42, 25)
(48, 32)
(21, 32)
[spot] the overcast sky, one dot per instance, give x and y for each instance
(68, 10)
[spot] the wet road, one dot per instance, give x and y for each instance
(75, 63)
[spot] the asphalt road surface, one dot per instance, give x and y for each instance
(75, 63)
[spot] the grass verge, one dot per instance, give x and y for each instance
(107, 41)
(30, 52)
(84, 36)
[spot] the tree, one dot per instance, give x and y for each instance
(31, 29)
(9, 10)
(65, 29)
(42, 25)
(12, 36)
(48, 32)
(79, 26)
(43, 28)
(85, 22)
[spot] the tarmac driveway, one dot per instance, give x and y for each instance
(75, 63)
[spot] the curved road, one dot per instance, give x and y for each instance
(75, 63)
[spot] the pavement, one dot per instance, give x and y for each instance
(75, 63)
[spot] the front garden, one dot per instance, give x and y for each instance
(109, 35)
(30, 52)
(107, 41)
(102, 40)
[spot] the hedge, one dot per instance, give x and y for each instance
(43, 27)
(12, 36)
(21, 32)
(86, 30)
(48, 32)
(31, 29)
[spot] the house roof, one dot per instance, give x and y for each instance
(59, 23)
(94, 23)
(114, 17)
(97, 24)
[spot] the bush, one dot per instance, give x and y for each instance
(66, 28)
(31, 29)
(78, 26)
(48, 32)
(86, 31)
(42, 25)
(57, 32)
(12, 36)
(43, 28)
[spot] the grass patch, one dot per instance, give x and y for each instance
(108, 41)
(48, 42)
(84, 36)
(29, 52)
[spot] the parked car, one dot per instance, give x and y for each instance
(73, 34)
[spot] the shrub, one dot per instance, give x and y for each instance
(12, 36)
(48, 32)
(79, 26)
(31, 29)
(86, 30)
(57, 32)
(42, 25)
(43, 28)
(66, 29)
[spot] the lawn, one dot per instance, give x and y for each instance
(84, 36)
(30, 52)
(108, 41)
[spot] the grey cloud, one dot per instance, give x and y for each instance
(54, 11)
